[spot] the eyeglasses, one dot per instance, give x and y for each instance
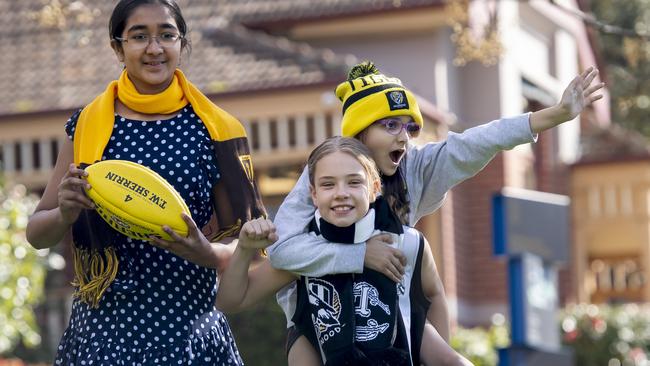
(141, 40)
(394, 126)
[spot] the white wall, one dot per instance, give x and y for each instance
(412, 58)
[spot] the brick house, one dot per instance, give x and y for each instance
(274, 65)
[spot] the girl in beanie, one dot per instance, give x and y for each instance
(384, 115)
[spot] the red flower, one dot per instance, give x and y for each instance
(571, 336)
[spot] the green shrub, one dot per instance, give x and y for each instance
(22, 272)
(480, 345)
(608, 335)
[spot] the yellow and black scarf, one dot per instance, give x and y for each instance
(235, 197)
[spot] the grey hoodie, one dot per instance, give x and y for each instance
(430, 171)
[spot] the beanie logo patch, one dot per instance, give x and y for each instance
(397, 100)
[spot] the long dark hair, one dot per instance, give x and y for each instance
(125, 8)
(396, 193)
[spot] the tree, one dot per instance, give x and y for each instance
(627, 59)
(22, 271)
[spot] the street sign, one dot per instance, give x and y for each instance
(532, 229)
(528, 221)
(533, 303)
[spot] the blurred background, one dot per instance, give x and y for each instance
(274, 64)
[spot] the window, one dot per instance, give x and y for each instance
(54, 151)
(36, 154)
(18, 156)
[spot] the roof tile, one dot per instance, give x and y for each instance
(59, 56)
(59, 64)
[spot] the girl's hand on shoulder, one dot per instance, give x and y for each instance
(71, 197)
(257, 234)
(195, 247)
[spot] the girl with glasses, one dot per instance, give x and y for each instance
(139, 302)
(395, 126)
(383, 114)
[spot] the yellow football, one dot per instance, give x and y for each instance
(135, 200)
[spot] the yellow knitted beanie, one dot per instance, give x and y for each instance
(369, 96)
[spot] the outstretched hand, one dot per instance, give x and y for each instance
(580, 93)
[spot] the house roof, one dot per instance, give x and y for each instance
(58, 58)
(255, 12)
(612, 144)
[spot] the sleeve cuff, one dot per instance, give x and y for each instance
(533, 136)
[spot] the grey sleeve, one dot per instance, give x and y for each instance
(308, 255)
(433, 169)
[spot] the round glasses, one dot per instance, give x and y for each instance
(141, 40)
(394, 126)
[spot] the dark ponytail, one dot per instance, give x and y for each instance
(396, 194)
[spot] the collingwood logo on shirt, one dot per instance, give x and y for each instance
(324, 295)
(397, 100)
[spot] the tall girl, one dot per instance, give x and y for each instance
(136, 303)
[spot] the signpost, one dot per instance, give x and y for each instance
(531, 228)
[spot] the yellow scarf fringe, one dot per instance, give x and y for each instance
(91, 284)
(229, 231)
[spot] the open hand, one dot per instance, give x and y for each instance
(580, 93)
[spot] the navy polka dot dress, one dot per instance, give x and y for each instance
(160, 308)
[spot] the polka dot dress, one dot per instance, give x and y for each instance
(160, 308)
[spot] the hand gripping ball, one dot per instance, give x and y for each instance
(135, 200)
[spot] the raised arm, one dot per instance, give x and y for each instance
(580, 93)
(435, 168)
(241, 287)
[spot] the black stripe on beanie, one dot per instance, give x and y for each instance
(364, 93)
